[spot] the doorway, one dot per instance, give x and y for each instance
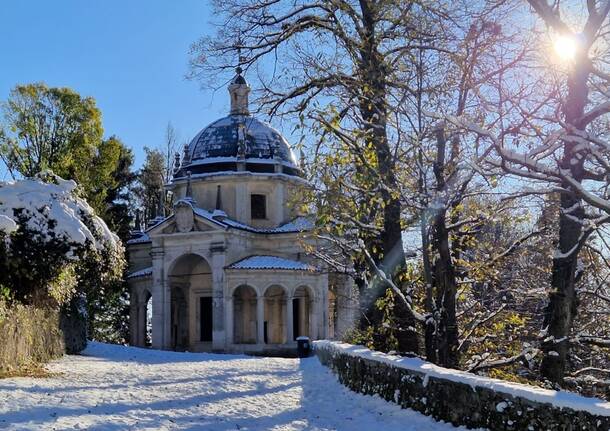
(205, 318)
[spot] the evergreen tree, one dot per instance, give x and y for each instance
(150, 183)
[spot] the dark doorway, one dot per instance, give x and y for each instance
(265, 337)
(296, 318)
(180, 335)
(205, 307)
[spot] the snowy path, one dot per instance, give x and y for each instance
(123, 388)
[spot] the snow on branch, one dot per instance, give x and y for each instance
(388, 282)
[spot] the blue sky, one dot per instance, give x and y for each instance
(130, 55)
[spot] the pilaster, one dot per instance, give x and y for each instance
(289, 321)
(161, 317)
(219, 341)
(260, 320)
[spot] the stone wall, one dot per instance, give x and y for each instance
(458, 397)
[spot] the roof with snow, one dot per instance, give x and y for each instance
(139, 238)
(271, 262)
(299, 224)
(219, 218)
(141, 273)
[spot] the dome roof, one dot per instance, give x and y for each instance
(221, 139)
(237, 142)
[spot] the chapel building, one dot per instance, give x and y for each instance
(229, 270)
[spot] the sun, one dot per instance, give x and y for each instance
(566, 47)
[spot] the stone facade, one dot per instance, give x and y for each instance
(228, 270)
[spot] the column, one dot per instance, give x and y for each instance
(322, 288)
(314, 309)
(229, 320)
(260, 319)
(289, 321)
(133, 318)
(305, 315)
(161, 314)
(219, 341)
(141, 336)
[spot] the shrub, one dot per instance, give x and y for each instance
(28, 335)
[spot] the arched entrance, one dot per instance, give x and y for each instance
(275, 315)
(244, 315)
(190, 281)
(140, 317)
(301, 312)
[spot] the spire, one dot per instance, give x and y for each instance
(218, 213)
(239, 88)
(186, 158)
(176, 163)
(218, 198)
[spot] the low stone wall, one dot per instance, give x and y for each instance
(459, 397)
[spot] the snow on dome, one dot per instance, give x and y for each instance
(42, 202)
(221, 138)
(271, 262)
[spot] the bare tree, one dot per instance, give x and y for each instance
(336, 65)
(549, 129)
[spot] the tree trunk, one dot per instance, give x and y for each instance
(441, 333)
(373, 108)
(562, 307)
(446, 290)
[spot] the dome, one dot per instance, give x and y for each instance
(221, 139)
(238, 141)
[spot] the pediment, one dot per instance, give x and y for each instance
(185, 220)
(197, 226)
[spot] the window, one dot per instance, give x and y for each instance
(258, 206)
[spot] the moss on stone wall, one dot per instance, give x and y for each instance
(455, 402)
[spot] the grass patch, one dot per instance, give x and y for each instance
(36, 371)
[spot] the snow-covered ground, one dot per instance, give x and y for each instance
(122, 388)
